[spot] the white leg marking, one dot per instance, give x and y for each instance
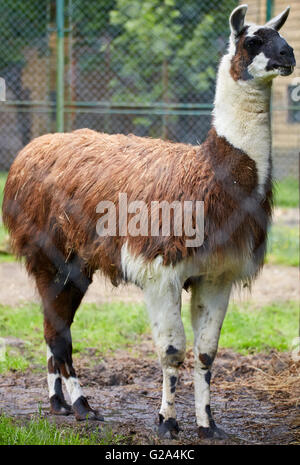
(164, 311)
(208, 306)
(51, 377)
(73, 388)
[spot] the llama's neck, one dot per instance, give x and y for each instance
(242, 115)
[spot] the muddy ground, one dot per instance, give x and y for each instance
(255, 399)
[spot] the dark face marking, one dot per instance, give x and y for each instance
(173, 381)
(267, 41)
(171, 350)
(276, 48)
(241, 59)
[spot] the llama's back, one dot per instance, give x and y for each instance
(57, 181)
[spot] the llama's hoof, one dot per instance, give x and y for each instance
(59, 406)
(168, 428)
(83, 411)
(211, 432)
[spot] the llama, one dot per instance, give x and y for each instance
(50, 208)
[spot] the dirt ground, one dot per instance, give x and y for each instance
(275, 284)
(254, 398)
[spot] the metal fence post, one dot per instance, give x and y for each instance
(60, 65)
(269, 9)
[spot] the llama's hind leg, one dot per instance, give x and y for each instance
(208, 308)
(168, 333)
(61, 295)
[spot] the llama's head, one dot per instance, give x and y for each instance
(259, 52)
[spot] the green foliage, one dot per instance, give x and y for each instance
(156, 53)
(22, 22)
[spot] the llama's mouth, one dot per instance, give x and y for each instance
(284, 70)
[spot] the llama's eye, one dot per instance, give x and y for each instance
(253, 42)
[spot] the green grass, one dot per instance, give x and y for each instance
(105, 327)
(283, 246)
(40, 431)
(113, 326)
(287, 193)
(3, 177)
(247, 329)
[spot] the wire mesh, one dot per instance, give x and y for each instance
(130, 66)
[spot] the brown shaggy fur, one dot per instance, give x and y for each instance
(241, 59)
(56, 182)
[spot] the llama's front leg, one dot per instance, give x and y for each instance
(164, 307)
(208, 307)
(58, 404)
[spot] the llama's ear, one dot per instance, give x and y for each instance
(237, 19)
(279, 20)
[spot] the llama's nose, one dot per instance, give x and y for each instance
(287, 53)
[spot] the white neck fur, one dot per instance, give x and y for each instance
(241, 115)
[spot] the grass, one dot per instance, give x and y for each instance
(113, 326)
(248, 329)
(3, 177)
(106, 327)
(39, 431)
(287, 193)
(283, 246)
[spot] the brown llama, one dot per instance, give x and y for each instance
(51, 208)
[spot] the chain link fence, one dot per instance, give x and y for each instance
(128, 66)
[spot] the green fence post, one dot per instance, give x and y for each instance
(269, 9)
(60, 65)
